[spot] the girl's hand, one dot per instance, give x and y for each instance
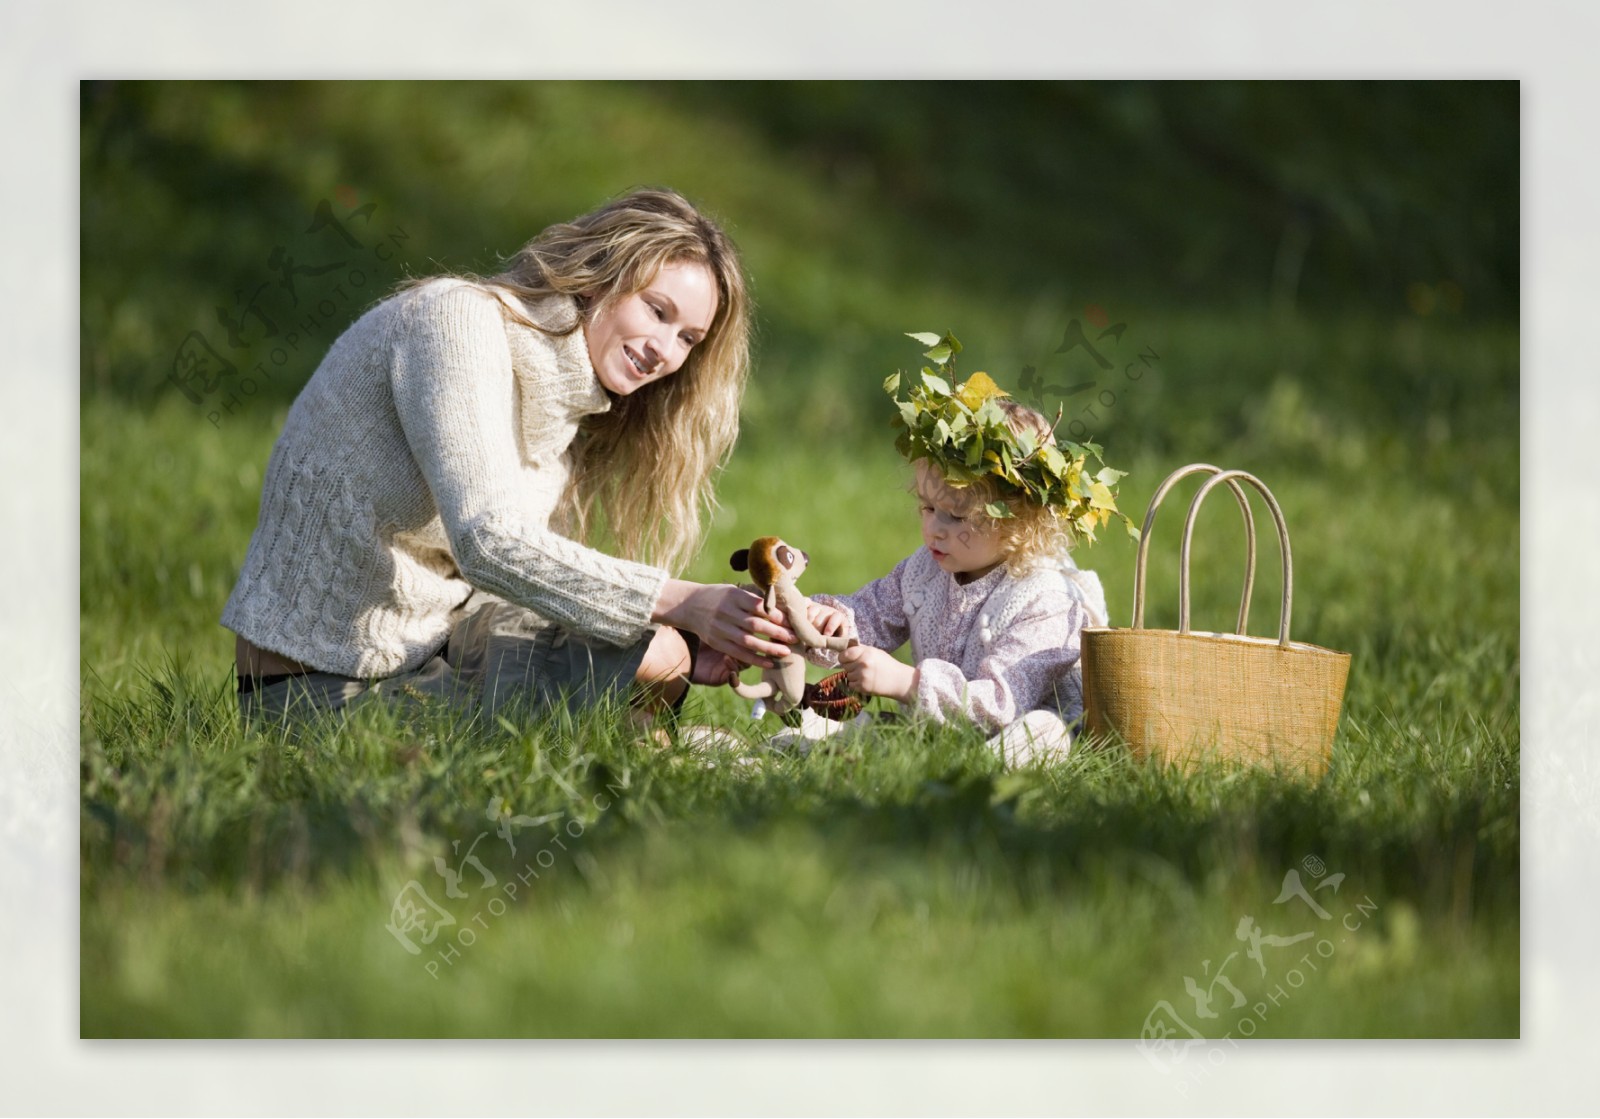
(728, 619)
(875, 672)
(830, 621)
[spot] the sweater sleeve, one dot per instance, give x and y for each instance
(453, 385)
(876, 613)
(1027, 667)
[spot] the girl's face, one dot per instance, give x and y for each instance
(648, 335)
(947, 530)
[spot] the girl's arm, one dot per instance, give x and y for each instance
(876, 614)
(1024, 666)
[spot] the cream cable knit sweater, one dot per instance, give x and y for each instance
(425, 458)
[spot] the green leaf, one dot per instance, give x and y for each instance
(908, 413)
(926, 339)
(1110, 476)
(936, 383)
(939, 354)
(891, 383)
(998, 511)
(975, 451)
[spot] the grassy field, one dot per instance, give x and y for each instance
(234, 885)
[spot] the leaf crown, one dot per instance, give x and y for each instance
(963, 432)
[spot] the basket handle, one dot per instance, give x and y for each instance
(1228, 476)
(1144, 542)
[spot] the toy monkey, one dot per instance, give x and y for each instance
(774, 565)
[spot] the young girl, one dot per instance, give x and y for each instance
(993, 610)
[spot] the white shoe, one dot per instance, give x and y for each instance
(813, 728)
(701, 737)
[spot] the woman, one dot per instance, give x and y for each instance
(427, 511)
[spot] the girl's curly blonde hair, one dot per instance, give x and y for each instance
(1033, 532)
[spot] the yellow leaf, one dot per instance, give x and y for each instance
(978, 388)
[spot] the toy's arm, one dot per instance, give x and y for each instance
(762, 689)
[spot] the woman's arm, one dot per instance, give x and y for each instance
(454, 389)
(453, 385)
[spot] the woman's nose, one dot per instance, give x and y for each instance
(667, 339)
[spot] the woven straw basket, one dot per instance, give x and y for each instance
(1178, 696)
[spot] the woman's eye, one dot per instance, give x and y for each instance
(660, 314)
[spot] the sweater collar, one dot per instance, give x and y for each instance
(574, 387)
(978, 589)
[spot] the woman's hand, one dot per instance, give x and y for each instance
(728, 619)
(875, 672)
(830, 621)
(713, 669)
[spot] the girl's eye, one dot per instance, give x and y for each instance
(660, 314)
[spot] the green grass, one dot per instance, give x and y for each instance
(234, 884)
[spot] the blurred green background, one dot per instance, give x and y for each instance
(1323, 278)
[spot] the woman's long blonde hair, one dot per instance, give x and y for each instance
(648, 465)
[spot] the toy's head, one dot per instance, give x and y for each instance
(770, 560)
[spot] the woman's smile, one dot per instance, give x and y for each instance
(649, 334)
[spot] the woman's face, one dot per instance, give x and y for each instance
(648, 335)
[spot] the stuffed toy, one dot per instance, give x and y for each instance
(774, 565)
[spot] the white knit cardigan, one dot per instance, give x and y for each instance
(425, 458)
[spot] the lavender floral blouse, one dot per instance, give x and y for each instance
(990, 651)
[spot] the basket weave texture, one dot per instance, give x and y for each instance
(1177, 696)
